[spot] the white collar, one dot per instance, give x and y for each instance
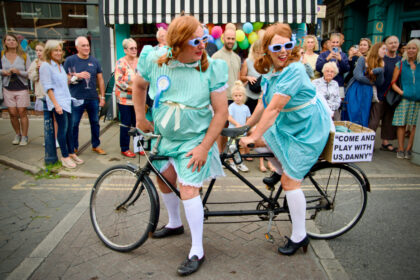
(175, 63)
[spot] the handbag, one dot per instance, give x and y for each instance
(256, 87)
(391, 96)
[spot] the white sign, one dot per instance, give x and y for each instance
(321, 11)
(352, 147)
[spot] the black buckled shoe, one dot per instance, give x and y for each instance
(291, 247)
(190, 266)
(165, 232)
(272, 180)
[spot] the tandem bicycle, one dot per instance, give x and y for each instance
(125, 207)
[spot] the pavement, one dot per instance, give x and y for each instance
(71, 249)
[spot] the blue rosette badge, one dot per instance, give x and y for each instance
(162, 84)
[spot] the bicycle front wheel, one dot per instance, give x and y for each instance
(124, 208)
(336, 199)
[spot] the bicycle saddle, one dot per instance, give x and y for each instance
(235, 131)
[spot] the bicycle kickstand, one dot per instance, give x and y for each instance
(268, 235)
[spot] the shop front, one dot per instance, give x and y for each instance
(42, 20)
(138, 18)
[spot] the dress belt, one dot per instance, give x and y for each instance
(310, 102)
(175, 108)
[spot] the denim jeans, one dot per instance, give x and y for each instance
(65, 133)
(128, 118)
(92, 108)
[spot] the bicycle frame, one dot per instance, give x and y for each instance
(272, 201)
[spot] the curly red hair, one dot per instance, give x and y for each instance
(264, 63)
(179, 32)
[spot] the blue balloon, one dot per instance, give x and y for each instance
(211, 39)
(206, 31)
(24, 44)
(219, 43)
(247, 27)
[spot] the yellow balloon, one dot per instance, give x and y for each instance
(252, 37)
(230, 26)
(240, 35)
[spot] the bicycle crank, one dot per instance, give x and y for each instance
(268, 235)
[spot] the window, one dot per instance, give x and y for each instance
(42, 11)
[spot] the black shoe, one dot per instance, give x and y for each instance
(291, 247)
(190, 266)
(165, 232)
(272, 180)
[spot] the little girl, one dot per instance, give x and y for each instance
(238, 115)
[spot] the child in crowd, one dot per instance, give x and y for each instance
(238, 115)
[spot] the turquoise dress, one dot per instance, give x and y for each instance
(182, 113)
(301, 129)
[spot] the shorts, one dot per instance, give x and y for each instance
(19, 98)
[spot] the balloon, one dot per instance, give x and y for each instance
(240, 35)
(219, 44)
(24, 44)
(230, 26)
(211, 39)
(247, 27)
(235, 46)
(206, 31)
(252, 37)
(216, 32)
(244, 44)
(257, 25)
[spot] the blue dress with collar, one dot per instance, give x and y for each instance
(300, 132)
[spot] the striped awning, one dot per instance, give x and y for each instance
(209, 11)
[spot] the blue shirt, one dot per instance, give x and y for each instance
(76, 64)
(52, 76)
(388, 72)
(239, 113)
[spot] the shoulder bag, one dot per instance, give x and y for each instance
(391, 96)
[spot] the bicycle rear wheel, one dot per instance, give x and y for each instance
(124, 208)
(336, 199)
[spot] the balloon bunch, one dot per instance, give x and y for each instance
(244, 37)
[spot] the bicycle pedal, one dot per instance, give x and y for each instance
(269, 237)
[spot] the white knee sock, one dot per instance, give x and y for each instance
(195, 216)
(297, 207)
(172, 206)
(274, 161)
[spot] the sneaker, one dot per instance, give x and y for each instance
(68, 162)
(142, 153)
(242, 167)
(24, 141)
(56, 144)
(400, 154)
(407, 155)
(233, 166)
(76, 159)
(16, 141)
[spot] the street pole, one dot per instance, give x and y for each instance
(49, 138)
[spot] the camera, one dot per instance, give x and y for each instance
(335, 49)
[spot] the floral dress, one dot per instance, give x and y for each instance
(182, 111)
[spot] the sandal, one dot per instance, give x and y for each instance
(263, 169)
(387, 148)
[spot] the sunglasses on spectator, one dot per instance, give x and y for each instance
(277, 47)
(196, 41)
